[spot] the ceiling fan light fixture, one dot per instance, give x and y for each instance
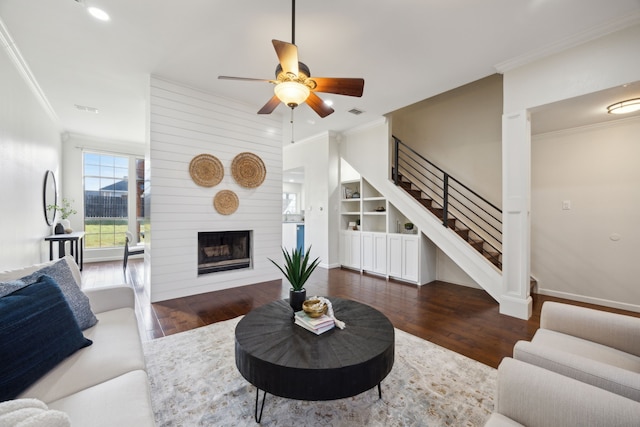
(291, 93)
(624, 107)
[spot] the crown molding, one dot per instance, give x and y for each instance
(23, 69)
(569, 42)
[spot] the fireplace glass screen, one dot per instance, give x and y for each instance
(223, 251)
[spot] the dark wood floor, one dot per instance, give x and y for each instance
(462, 319)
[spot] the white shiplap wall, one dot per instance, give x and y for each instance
(185, 122)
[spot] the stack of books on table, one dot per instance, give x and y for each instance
(316, 325)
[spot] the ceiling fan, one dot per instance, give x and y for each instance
(294, 84)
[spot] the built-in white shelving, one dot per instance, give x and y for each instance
(373, 237)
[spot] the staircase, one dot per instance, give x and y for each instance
(478, 243)
(472, 217)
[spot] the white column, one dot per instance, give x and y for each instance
(516, 205)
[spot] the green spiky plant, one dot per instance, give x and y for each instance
(296, 267)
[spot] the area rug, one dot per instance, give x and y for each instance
(194, 382)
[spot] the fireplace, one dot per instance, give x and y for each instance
(223, 251)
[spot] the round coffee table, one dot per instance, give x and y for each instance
(284, 359)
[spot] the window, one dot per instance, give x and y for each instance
(289, 205)
(107, 198)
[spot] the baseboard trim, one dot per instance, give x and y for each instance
(589, 300)
(329, 266)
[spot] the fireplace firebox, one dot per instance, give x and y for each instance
(223, 251)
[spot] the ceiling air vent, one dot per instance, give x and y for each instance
(356, 111)
(87, 109)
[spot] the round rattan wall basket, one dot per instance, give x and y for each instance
(248, 170)
(206, 170)
(226, 202)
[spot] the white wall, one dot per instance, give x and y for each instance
(600, 64)
(461, 132)
(29, 146)
(589, 252)
(319, 157)
(185, 122)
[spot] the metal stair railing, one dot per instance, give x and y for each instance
(460, 208)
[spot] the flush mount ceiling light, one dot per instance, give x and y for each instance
(624, 107)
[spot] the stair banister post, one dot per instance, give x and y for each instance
(445, 199)
(396, 142)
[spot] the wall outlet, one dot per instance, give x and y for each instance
(566, 205)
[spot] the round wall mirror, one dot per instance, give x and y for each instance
(49, 196)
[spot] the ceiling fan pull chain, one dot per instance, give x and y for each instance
(292, 141)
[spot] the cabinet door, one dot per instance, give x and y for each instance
(379, 253)
(355, 250)
(410, 258)
(344, 250)
(289, 239)
(394, 251)
(367, 252)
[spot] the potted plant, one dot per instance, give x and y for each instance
(408, 226)
(65, 210)
(297, 270)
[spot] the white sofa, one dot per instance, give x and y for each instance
(104, 384)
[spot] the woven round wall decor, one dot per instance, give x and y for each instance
(248, 170)
(226, 202)
(206, 170)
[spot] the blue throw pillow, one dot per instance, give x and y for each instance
(37, 331)
(77, 299)
(9, 287)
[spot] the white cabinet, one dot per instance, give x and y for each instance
(394, 247)
(410, 258)
(289, 236)
(374, 252)
(404, 257)
(379, 246)
(367, 251)
(350, 249)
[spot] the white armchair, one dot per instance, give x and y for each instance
(592, 346)
(531, 396)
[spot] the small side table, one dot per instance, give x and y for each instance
(76, 239)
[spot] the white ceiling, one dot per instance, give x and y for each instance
(406, 50)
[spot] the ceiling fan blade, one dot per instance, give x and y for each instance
(287, 55)
(340, 86)
(318, 105)
(245, 79)
(270, 106)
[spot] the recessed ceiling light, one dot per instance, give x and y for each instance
(328, 102)
(98, 13)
